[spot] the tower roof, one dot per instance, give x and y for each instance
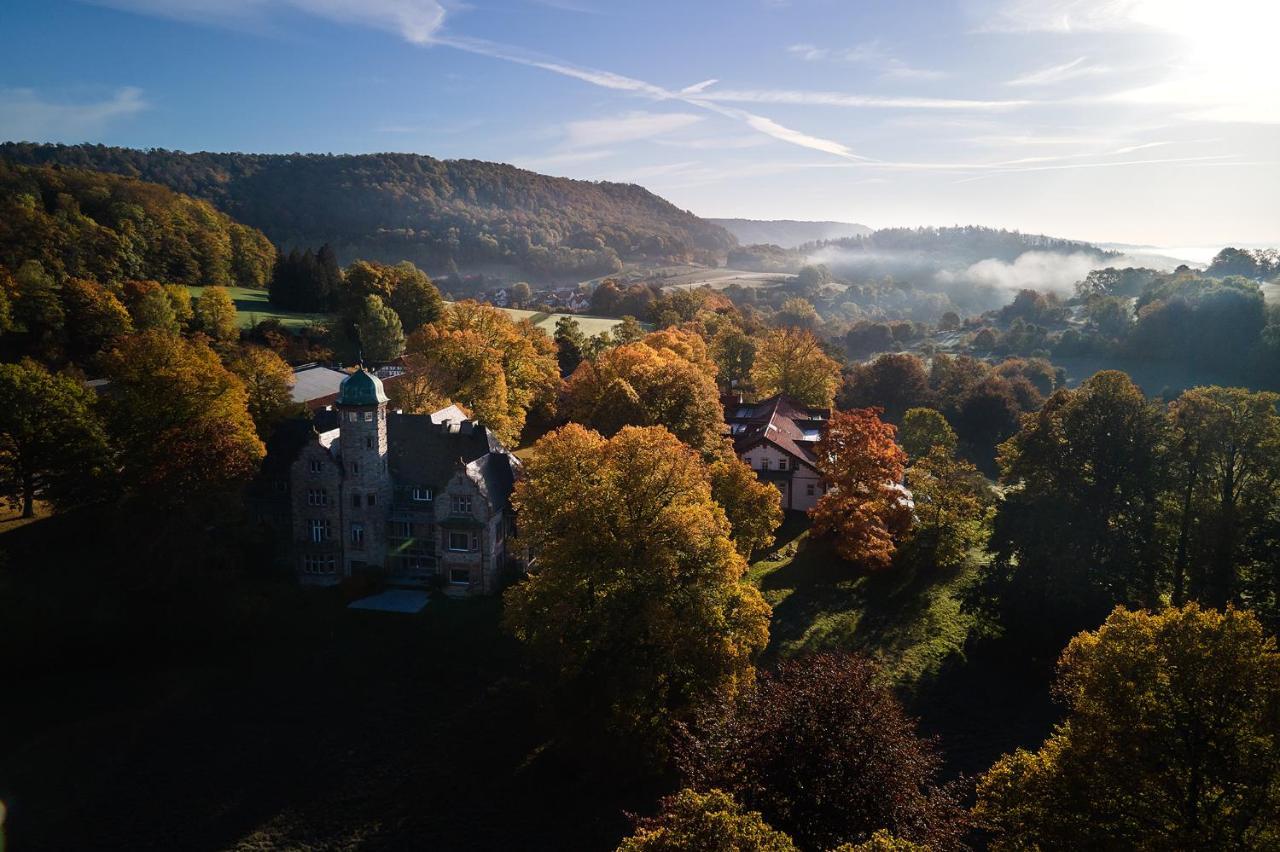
(361, 388)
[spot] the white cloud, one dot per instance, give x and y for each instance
(839, 99)
(1059, 73)
(809, 52)
(26, 115)
(416, 21)
(597, 132)
(870, 54)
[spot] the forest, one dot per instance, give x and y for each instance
(1033, 606)
(443, 215)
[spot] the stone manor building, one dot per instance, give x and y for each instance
(414, 499)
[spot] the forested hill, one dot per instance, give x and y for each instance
(967, 243)
(437, 213)
(788, 233)
(86, 224)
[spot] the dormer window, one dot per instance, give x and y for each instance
(462, 505)
(317, 466)
(421, 495)
(368, 417)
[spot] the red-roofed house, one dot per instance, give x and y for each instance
(776, 438)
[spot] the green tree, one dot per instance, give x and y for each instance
(414, 298)
(37, 309)
(638, 605)
(521, 294)
(1171, 741)
(923, 429)
(96, 314)
(378, 327)
(569, 341)
(953, 508)
(215, 315)
(52, 444)
(151, 307)
(705, 822)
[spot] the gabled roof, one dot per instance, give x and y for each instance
(780, 420)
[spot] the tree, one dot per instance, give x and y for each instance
(811, 279)
(882, 841)
(1227, 455)
(413, 297)
(52, 443)
(791, 362)
(181, 421)
(215, 314)
(797, 312)
(37, 309)
(862, 506)
(1171, 741)
(952, 507)
(180, 299)
(268, 382)
(734, 352)
(415, 391)
(500, 369)
(691, 821)
(521, 293)
(667, 379)
(637, 604)
(378, 327)
(894, 382)
(97, 316)
(569, 341)
(923, 429)
(823, 750)
(150, 307)
(752, 506)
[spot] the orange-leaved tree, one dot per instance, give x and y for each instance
(863, 508)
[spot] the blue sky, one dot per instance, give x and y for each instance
(1144, 121)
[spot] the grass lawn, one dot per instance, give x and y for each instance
(980, 697)
(252, 307)
(547, 322)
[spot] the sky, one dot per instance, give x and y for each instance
(1152, 122)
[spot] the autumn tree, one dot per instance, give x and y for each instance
(667, 379)
(181, 420)
(863, 507)
(734, 352)
(953, 507)
(215, 315)
(379, 330)
(500, 369)
(52, 444)
(752, 506)
(882, 841)
(895, 382)
(637, 604)
(415, 391)
(150, 307)
(1171, 741)
(691, 821)
(824, 751)
(97, 315)
(268, 382)
(923, 429)
(791, 362)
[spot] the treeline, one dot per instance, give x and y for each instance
(966, 243)
(440, 214)
(85, 224)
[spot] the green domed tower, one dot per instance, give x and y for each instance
(366, 483)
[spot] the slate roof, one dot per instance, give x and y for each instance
(316, 383)
(425, 453)
(780, 420)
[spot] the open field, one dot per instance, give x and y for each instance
(252, 308)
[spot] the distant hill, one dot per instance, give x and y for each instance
(788, 233)
(441, 214)
(83, 223)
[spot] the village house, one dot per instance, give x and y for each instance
(413, 499)
(776, 438)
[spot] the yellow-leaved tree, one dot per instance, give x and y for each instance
(791, 361)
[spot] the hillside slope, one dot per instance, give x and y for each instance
(437, 213)
(83, 223)
(788, 233)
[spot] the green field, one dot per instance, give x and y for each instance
(252, 307)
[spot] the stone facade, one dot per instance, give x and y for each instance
(415, 500)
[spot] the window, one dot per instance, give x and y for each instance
(460, 576)
(462, 505)
(318, 564)
(317, 466)
(355, 501)
(317, 497)
(421, 495)
(459, 542)
(764, 463)
(357, 535)
(319, 530)
(809, 489)
(402, 529)
(368, 417)
(782, 464)
(355, 467)
(368, 442)
(351, 417)
(369, 499)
